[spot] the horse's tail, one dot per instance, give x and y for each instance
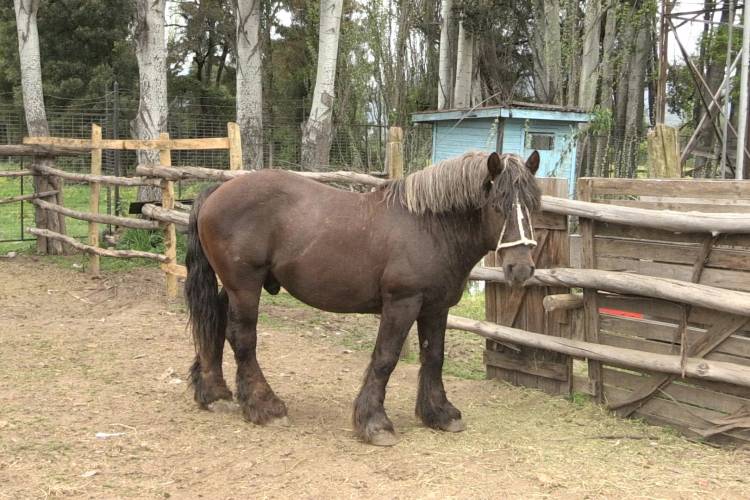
(207, 307)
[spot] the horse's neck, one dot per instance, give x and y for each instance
(464, 238)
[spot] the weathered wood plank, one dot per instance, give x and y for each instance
(648, 234)
(170, 233)
(723, 258)
(679, 206)
(541, 368)
(667, 332)
(639, 344)
(134, 144)
(675, 187)
(164, 215)
(735, 280)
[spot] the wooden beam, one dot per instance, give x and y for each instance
(94, 217)
(562, 302)
(133, 144)
(719, 299)
(27, 197)
(39, 150)
(235, 146)
(679, 222)
(165, 215)
(212, 174)
(104, 179)
(121, 254)
(17, 173)
(94, 189)
(630, 358)
(170, 233)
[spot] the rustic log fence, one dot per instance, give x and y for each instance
(663, 320)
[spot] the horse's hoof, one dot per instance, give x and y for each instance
(224, 406)
(384, 438)
(455, 425)
(279, 422)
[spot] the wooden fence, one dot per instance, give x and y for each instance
(662, 319)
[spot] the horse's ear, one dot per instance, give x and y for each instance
(532, 162)
(494, 165)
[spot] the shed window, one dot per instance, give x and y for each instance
(540, 141)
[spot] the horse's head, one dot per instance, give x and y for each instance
(512, 198)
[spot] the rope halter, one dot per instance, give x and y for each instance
(522, 240)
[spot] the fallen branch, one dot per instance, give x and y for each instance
(123, 254)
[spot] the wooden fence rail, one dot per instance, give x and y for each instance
(628, 358)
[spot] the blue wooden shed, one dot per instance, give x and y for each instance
(518, 128)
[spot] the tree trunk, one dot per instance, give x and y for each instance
(318, 130)
(445, 82)
(573, 55)
(603, 139)
(715, 68)
(546, 51)
(36, 118)
(464, 67)
(151, 53)
(249, 82)
(590, 56)
(635, 96)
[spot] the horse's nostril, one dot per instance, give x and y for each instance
(532, 268)
(510, 268)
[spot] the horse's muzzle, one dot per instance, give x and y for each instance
(518, 274)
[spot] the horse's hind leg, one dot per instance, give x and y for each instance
(258, 402)
(433, 406)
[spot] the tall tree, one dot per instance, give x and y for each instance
(445, 82)
(590, 55)
(151, 52)
(318, 129)
(36, 116)
(249, 81)
(464, 67)
(547, 52)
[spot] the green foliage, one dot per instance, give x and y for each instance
(602, 120)
(84, 46)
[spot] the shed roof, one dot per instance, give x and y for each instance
(520, 110)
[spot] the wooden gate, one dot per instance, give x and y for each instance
(522, 308)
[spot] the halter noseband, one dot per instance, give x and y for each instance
(522, 240)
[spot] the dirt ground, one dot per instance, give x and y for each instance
(94, 404)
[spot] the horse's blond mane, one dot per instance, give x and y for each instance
(459, 185)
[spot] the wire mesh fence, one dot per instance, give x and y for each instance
(355, 146)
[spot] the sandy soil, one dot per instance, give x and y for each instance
(81, 356)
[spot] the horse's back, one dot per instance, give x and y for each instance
(319, 242)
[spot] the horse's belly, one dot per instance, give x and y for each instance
(330, 288)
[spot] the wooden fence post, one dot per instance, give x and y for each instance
(394, 159)
(235, 146)
(170, 234)
(96, 169)
(590, 295)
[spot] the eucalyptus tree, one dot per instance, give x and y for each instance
(249, 81)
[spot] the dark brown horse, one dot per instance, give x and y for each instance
(404, 251)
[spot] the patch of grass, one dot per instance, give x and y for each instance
(580, 399)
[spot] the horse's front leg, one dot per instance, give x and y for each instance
(433, 406)
(370, 421)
